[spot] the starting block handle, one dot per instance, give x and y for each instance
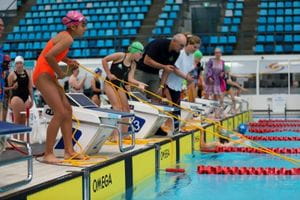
(29, 166)
(121, 145)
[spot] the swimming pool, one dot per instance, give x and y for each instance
(191, 185)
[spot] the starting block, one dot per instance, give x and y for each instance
(148, 120)
(93, 125)
(6, 130)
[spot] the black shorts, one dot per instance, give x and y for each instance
(175, 95)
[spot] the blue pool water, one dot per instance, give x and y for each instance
(191, 185)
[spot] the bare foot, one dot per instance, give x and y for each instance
(74, 155)
(51, 159)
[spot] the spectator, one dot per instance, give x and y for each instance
(7, 89)
(183, 65)
(76, 85)
(22, 95)
(96, 87)
(196, 87)
(214, 80)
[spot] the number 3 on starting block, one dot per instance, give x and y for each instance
(137, 124)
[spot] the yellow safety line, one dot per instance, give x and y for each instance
(262, 149)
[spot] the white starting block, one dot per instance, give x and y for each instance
(195, 108)
(96, 125)
(148, 120)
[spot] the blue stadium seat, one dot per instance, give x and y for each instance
(213, 39)
(288, 38)
(288, 28)
(103, 52)
(227, 20)
(223, 39)
(232, 39)
(224, 29)
(269, 48)
(125, 42)
(269, 38)
(296, 48)
(270, 28)
(6, 46)
(279, 28)
(279, 38)
(260, 38)
(259, 48)
(261, 28)
(166, 31)
(288, 48)
(297, 38)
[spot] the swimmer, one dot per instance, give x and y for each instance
(21, 96)
(123, 67)
(45, 75)
(96, 87)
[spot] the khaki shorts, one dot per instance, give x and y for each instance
(152, 80)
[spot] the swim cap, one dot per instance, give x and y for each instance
(136, 47)
(98, 70)
(73, 17)
(19, 59)
(198, 54)
(6, 58)
(226, 68)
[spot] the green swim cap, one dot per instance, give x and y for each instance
(198, 54)
(226, 68)
(136, 47)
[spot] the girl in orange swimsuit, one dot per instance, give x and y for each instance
(45, 75)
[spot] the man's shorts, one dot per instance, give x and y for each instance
(152, 80)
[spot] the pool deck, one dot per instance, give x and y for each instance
(114, 172)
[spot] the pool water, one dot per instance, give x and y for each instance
(191, 185)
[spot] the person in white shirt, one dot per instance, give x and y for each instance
(173, 81)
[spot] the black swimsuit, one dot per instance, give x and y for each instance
(121, 71)
(98, 86)
(22, 90)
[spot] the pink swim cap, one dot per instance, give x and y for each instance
(73, 17)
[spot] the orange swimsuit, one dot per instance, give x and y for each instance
(42, 66)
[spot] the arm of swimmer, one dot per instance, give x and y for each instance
(60, 46)
(30, 86)
(131, 78)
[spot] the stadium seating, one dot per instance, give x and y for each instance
(111, 25)
(278, 29)
(226, 38)
(167, 18)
